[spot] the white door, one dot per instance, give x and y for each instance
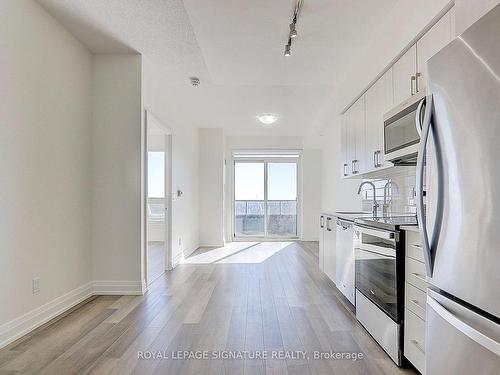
(432, 42)
(404, 72)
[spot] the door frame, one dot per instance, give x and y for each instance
(265, 161)
(149, 120)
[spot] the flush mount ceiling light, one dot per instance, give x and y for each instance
(293, 28)
(267, 118)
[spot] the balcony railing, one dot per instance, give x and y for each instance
(281, 218)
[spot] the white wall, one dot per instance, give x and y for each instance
(311, 192)
(116, 171)
(211, 184)
(45, 135)
(157, 88)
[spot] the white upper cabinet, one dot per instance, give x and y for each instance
(432, 42)
(344, 156)
(378, 100)
(362, 134)
(357, 115)
(404, 72)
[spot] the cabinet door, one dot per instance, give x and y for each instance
(404, 70)
(378, 100)
(358, 127)
(350, 129)
(329, 248)
(431, 43)
(321, 242)
(344, 156)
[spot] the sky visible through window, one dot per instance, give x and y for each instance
(156, 174)
(281, 179)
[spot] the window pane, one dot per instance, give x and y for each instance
(156, 174)
(282, 181)
(282, 199)
(249, 199)
(249, 181)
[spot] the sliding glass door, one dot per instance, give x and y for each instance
(265, 198)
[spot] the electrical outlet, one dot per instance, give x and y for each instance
(35, 284)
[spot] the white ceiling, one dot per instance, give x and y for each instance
(236, 48)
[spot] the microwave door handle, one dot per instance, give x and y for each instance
(426, 125)
(418, 117)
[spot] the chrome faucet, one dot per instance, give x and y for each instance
(375, 204)
(386, 205)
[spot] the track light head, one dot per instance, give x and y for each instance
(293, 30)
(288, 50)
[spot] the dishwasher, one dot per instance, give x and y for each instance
(344, 270)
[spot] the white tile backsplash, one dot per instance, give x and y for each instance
(401, 192)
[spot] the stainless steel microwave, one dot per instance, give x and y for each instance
(401, 138)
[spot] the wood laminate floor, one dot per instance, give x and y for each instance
(280, 302)
(156, 260)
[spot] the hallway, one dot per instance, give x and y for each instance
(281, 303)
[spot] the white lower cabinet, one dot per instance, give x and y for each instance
(329, 248)
(344, 275)
(327, 242)
(415, 302)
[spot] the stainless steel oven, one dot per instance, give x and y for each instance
(401, 137)
(379, 268)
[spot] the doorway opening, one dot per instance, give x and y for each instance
(266, 196)
(158, 199)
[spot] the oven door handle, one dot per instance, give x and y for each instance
(386, 235)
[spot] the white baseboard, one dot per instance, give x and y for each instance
(18, 327)
(26, 323)
(178, 259)
(310, 239)
(122, 288)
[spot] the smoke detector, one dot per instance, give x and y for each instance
(195, 81)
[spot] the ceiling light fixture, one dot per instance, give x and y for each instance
(267, 118)
(293, 29)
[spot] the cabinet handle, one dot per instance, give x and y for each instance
(417, 303)
(345, 169)
(417, 79)
(413, 80)
(375, 159)
(378, 159)
(419, 276)
(322, 222)
(418, 346)
(354, 169)
(328, 220)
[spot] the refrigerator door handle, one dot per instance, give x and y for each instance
(480, 338)
(424, 135)
(418, 117)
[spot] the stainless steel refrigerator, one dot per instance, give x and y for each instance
(460, 228)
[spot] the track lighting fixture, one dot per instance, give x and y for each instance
(293, 29)
(288, 50)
